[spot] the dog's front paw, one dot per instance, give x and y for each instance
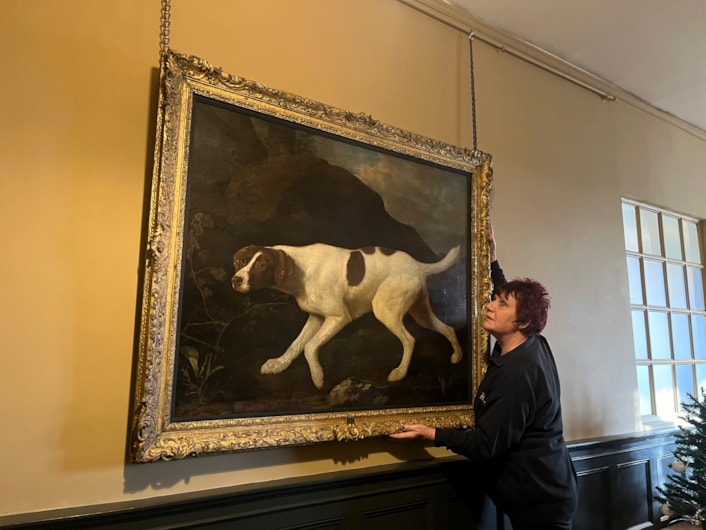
(318, 381)
(397, 374)
(273, 366)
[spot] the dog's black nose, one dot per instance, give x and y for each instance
(236, 282)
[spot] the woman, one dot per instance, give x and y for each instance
(517, 445)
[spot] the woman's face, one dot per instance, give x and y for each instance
(501, 316)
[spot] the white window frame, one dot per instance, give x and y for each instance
(662, 315)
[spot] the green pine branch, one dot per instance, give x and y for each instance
(685, 493)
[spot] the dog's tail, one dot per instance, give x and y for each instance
(445, 263)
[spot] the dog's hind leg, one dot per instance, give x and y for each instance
(424, 316)
(278, 364)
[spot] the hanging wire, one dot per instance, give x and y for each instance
(473, 93)
(164, 28)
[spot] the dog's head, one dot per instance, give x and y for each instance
(257, 267)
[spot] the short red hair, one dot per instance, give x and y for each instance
(532, 303)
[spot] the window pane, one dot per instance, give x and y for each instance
(640, 337)
(681, 337)
(696, 288)
(691, 242)
(635, 279)
(685, 382)
(664, 390)
(649, 229)
(672, 238)
(700, 380)
(654, 282)
(644, 390)
(677, 289)
(630, 227)
(659, 335)
(698, 328)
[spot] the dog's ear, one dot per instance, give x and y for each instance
(284, 266)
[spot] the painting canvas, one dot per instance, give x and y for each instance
(347, 211)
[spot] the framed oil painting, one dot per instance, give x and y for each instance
(311, 274)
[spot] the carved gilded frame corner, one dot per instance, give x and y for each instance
(204, 192)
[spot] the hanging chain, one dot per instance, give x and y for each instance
(164, 28)
(473, 94)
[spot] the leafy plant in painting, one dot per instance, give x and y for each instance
(198, 372)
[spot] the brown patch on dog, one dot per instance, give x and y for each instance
(355, 269)
(387, 251)
(368, 250)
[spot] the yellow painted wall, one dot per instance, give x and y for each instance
(79, 97)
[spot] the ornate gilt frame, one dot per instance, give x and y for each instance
(156, 434)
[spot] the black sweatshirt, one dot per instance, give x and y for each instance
(517, 446)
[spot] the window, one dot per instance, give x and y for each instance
(666, 276)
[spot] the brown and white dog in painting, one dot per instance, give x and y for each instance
(336, 286)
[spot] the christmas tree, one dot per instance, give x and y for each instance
(683, 496)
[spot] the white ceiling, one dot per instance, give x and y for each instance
(653, 49)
